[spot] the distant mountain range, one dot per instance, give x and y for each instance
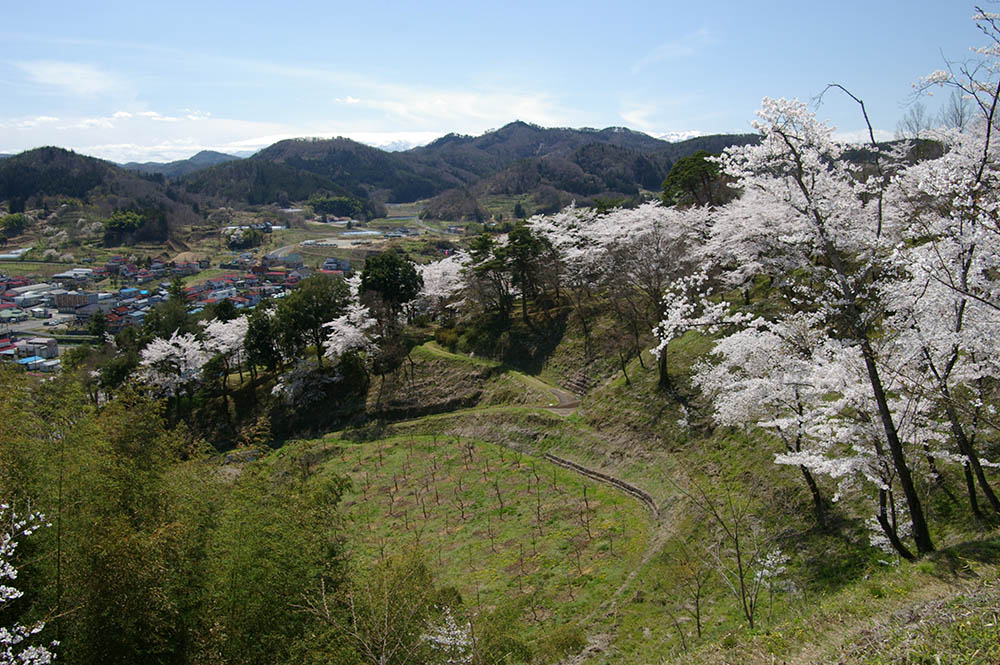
(519, 158)
(181, 167)
(553, 165)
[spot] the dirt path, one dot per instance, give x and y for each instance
(637, 493)
(567, 404)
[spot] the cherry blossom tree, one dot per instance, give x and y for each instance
(173, 364)
(788, 377)
(14, 647)
(451, 639)
(225, 338)
(947, 306)
(354, 332)
(442, 281)
(632, 255)
(224, 342)
(818, 222)
(763, 377)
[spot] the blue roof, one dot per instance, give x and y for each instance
(32, 359)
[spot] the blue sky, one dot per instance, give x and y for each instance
(160, 81)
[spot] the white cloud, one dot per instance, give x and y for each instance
(72, 77)
(463, 110)
(153, 115)
(29, 123)
(125, 136)
(91, 123)
(638, 116)
(683, 47)
(426, 108)
(195, 114)
(861, 135)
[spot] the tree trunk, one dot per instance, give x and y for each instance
(970, 453)
(921, 534)
(661, 363)
(970, 485)
(621, 357)
(818, 504)
(938, 478)
(889, 530)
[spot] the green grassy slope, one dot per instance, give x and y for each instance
(453, 417)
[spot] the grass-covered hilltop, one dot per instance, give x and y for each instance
(737, 404)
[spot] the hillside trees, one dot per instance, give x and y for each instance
(524, 251)
(488, 277)
(388, 283)
(695, 180)
(632, 255)
(441, 281)
(14, 224)
(276, 537)
(147, 221)
(520, 265)
(393, 278)
(341, 206)
(821, 219)
(880, 299)
(170, 315)
(303, 312)
(152, 557)
(263, 340)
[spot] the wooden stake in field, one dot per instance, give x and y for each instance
(496, 489)
(585, 514)
(489, 530)
(520, 567)
(538, 507)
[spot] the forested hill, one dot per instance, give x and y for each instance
(258, 181)
(518, 158)
(180, 167)
(554, 166)
(567, 167)
(36, 176)
(495, 150)
(388, 176)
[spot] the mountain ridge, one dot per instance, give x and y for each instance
(553, 165)
(180, 167)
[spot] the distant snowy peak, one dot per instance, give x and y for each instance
(682, 135)
(396, 146)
